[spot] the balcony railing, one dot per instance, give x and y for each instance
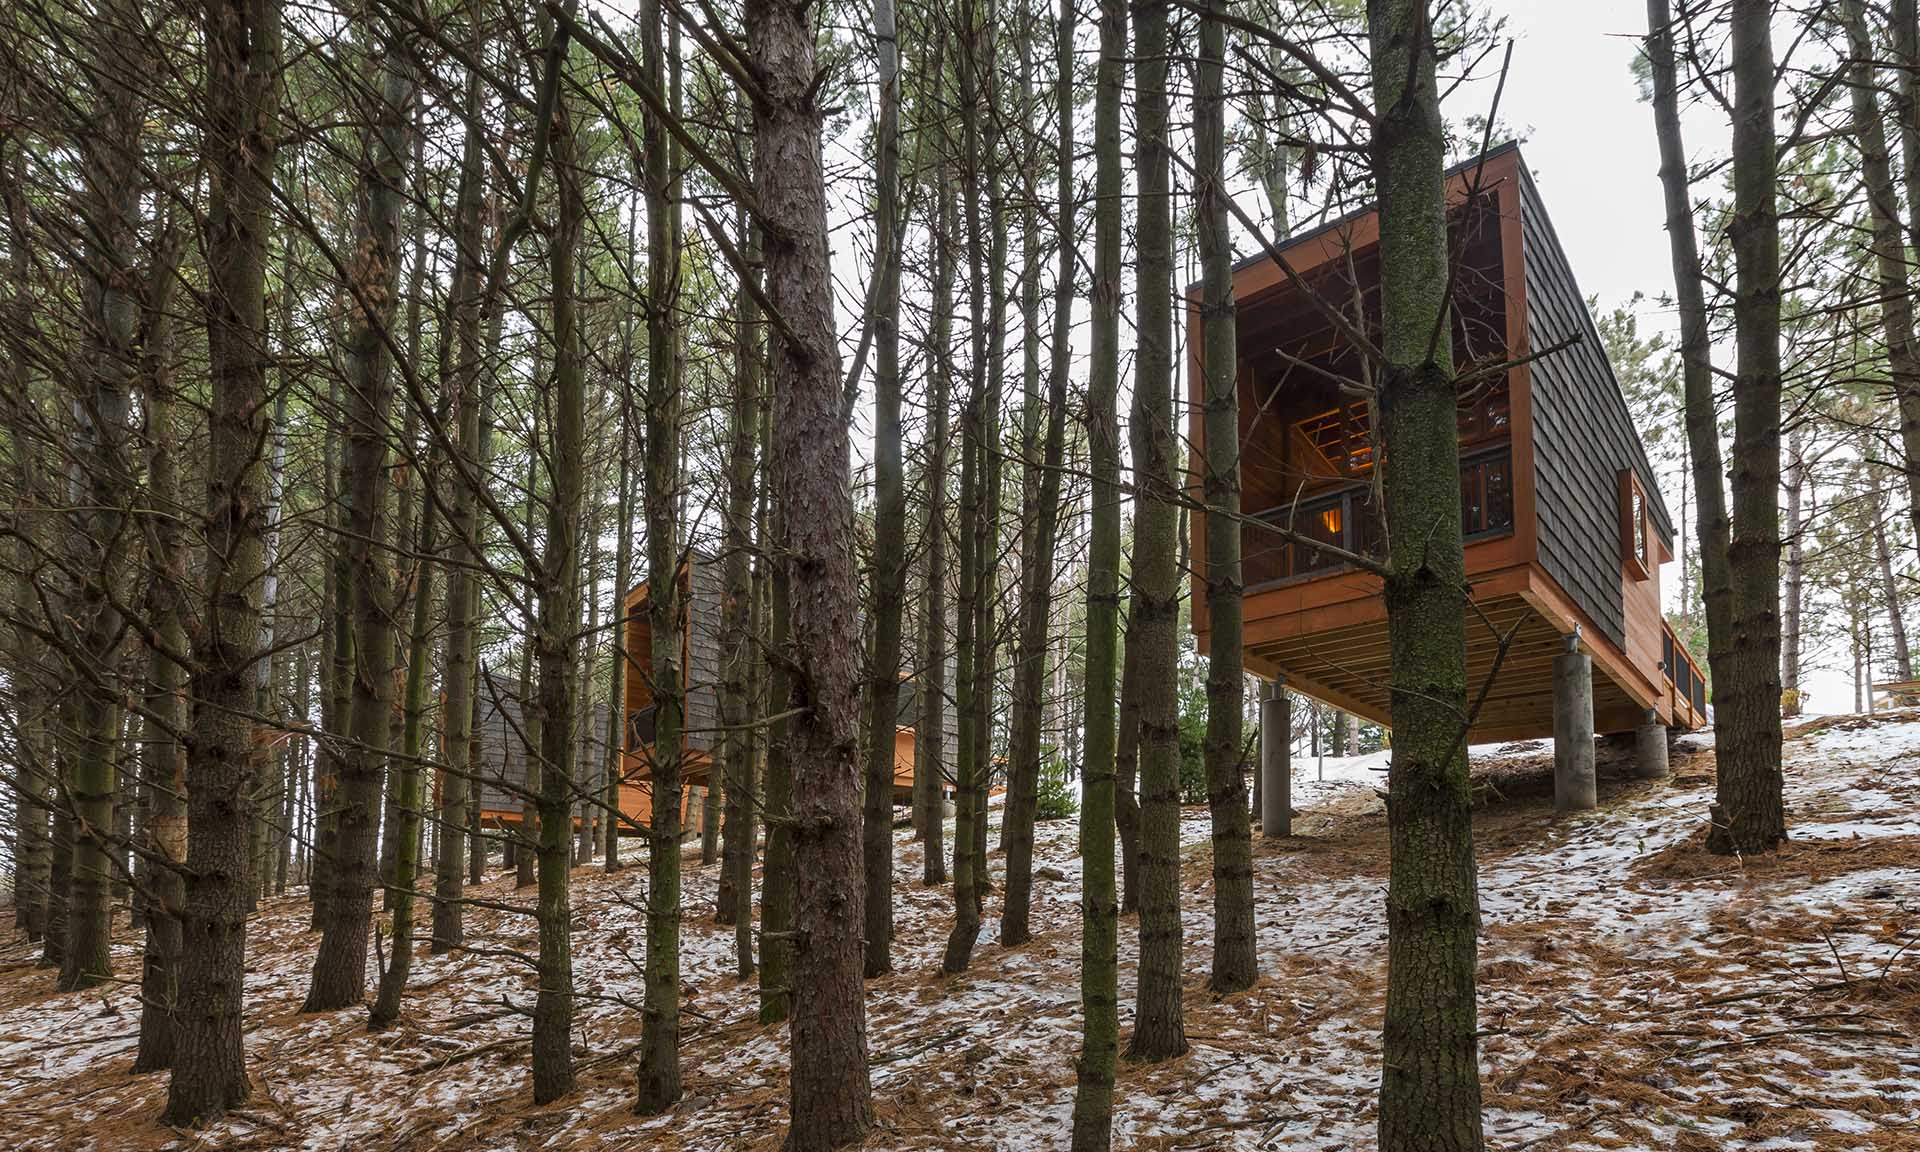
(1349, 520)
(1689, 687)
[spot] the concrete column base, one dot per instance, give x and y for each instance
(1276, 766)
(1575, 788)
(1650, 749)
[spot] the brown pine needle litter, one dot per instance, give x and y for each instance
(1635, 993)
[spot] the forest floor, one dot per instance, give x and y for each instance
(1634, 993)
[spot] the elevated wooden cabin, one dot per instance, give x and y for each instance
(1564, 525)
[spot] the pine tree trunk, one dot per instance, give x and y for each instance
(556, 649)
(243, 65)
(1430, 1081)
(60, 849)
(1126, 784)
(1099, 913)
(972, 644)
(831, 1105)
(735, 903)
(522, 843)
(1158, 1030)
(340, 965)
(456, 788)
(1793, 593)
(659, 1070)
(1040, 493)
(890, 516)
(1887, 243)
(966, 922)
(1890, 590)
(162, 752)
(622, 580)
(336, 672)
(409, 793)
(1696, 351)
(1903, 27)
(32, 848)
(110, 214)
(495, 309)
(1748, 813)
(585, 810)
(776, 873)
(930, 724)
(1234, 964)
(986, 541)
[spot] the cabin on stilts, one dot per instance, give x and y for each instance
(1564, 526)
(702, 596)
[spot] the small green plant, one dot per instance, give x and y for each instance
(1057, 800)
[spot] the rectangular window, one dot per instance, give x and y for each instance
(1486, 494)
(1636, 527)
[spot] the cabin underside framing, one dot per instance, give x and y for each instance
(1348, 666)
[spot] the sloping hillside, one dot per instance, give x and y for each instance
(1635, 993)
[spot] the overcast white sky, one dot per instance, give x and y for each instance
(1589, 139)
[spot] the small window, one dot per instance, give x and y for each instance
(1636, 533)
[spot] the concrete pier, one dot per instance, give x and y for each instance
(1650, 748)
(1276, 765)
(1574, 787)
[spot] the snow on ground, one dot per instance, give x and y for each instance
(1634, 993)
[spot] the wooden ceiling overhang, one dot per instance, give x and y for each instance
(1337, 651)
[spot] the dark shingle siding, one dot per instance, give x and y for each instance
(1583, 434)
(503, 750)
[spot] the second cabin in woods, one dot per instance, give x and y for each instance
(1564, 526)
(702, 596)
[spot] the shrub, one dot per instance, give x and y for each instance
(1057, 800)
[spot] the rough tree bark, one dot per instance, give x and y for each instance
(1890, 588)
(930, 724)
(1696, 350)
(33, 850)
(831, 1093)
(737, 652)
(110, 212)
(1099, 913)
(986, 538)
(1887, 243)
(1041, 495)
(340, 964)
(972, 637)
(890, 514)
(243, 66)
(1748, 814)
(966, 908)
(556, 648)
(658, 1073)
(449, 931)
(162, 751)
(1158, 1030)
(1234, 964)
(1430, 1079)
(1793, 590)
